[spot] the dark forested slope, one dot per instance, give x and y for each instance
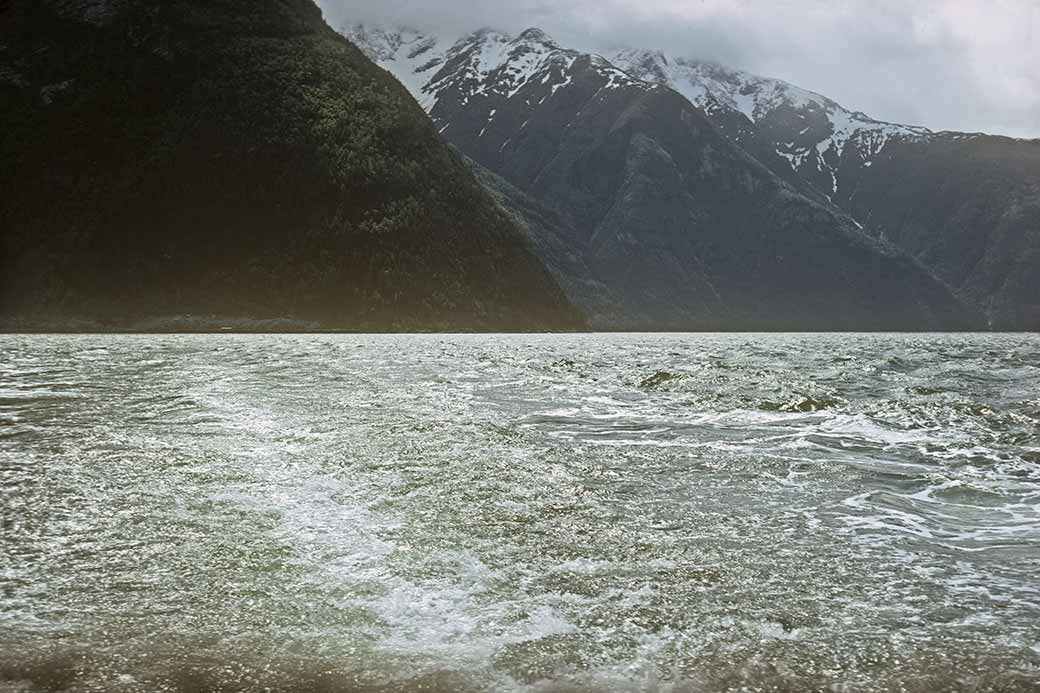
(237, 159)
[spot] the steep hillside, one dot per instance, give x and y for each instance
(682, 225)
(558, 243)
(196, 162)
(968, 207)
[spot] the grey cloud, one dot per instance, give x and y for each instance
(946, 64)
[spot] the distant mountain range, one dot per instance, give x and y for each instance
(700, 195)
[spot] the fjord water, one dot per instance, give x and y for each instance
(500, 513)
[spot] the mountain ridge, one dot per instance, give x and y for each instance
(650, 188)
(846, 159)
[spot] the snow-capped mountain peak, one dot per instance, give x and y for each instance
(808, 129)
(813, 133)
(536, 35)
(486, 62)
(492, 61)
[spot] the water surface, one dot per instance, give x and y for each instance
(520, 513)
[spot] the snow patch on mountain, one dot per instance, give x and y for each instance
(813, 133)
(702, 82)
(484, 63)
(413, 57)
(824, 126)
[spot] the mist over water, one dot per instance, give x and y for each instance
(520, 513)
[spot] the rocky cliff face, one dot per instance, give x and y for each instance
(684, 227)
(240, 161)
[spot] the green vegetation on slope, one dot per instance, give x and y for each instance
(237, 158)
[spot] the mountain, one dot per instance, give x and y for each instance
(812, 134)
(683, 227)
(556, 241)
(966, 205)
(197, 163)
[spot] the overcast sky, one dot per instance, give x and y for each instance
(970, 65)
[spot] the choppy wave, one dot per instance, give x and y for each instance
(524, 513)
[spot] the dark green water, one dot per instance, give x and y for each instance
(520, 513)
